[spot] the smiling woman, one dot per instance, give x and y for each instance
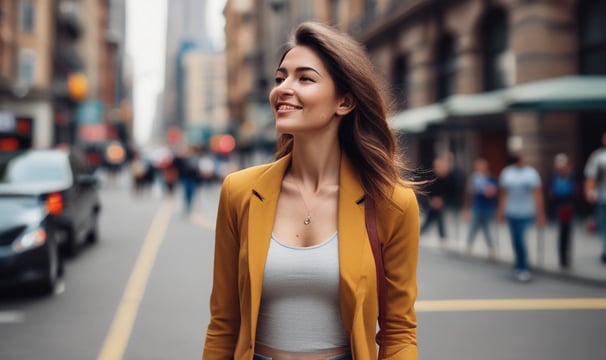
(294, 233)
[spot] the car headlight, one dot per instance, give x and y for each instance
(31, 239)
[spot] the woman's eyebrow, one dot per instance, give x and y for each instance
(299, 69)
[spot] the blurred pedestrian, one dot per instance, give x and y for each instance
(520, 202)
(189, 175)
(595, 190)
(438, 190)
(170, 174)
(115, 158)
(138, 169)
(562, 191)
(149, 177)
(480, 204)
(457, 182)
(207, 168)
(294, 273)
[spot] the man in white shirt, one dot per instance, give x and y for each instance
(595, 189)
(520, 202)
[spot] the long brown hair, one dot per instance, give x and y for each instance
(364, 133)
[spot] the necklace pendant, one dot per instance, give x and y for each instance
(307, 220)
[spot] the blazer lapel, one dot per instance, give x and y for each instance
(352, 234)
(262, 212)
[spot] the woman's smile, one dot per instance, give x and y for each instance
(283, 107)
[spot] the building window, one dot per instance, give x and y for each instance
(447, 67)
(26, 16)
(27, 66)
(592, 37)
(400, 84)
(498, 61)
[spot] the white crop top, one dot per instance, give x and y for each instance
(300, 301)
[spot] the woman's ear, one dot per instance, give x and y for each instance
(346, 105)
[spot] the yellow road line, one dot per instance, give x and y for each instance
(511, 304)
(202, 221)
(122, 325)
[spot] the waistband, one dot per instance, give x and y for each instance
(268, 353)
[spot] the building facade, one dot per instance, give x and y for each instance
(205, 106)
(186, 31)
(97, 114)
(468, 78)
(26, 42)
(458, 71)
(57, 58)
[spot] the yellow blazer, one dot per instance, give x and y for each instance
(245, 219)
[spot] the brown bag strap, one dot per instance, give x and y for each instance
(375, 244)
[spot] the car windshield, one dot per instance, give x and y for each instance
(35, 168)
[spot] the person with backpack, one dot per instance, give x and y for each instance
(562, 193)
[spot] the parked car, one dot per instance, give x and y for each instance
(48, 202)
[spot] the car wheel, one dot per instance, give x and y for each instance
(54, 270)
(93, 234)
(71, 245)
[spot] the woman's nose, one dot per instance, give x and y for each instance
(285, 88)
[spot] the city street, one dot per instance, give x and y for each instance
(142, 293)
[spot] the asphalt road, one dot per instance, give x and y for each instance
(142, 293)
(468, 309)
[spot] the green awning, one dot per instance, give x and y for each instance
(486, 103)
(417, 119)
(559, 94)
(569, 93)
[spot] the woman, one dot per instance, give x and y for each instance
(521, 202)
(294, 274)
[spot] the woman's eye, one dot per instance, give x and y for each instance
(278, 80)
(303, 78)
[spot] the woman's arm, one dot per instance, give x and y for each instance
(222, 332)
(400, 257)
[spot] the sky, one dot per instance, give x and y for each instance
(146, 44)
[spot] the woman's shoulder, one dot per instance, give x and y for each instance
(240, 183)
(247, 175)
(402, 199)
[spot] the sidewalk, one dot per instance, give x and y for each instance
(540, 244)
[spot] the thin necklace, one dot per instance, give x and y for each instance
(307, 219)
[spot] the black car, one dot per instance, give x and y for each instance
(48, 202)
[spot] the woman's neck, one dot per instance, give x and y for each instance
(314, 165)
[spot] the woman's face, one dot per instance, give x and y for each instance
(304, 98)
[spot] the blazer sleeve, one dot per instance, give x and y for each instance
(222, 332)
(400, 257)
